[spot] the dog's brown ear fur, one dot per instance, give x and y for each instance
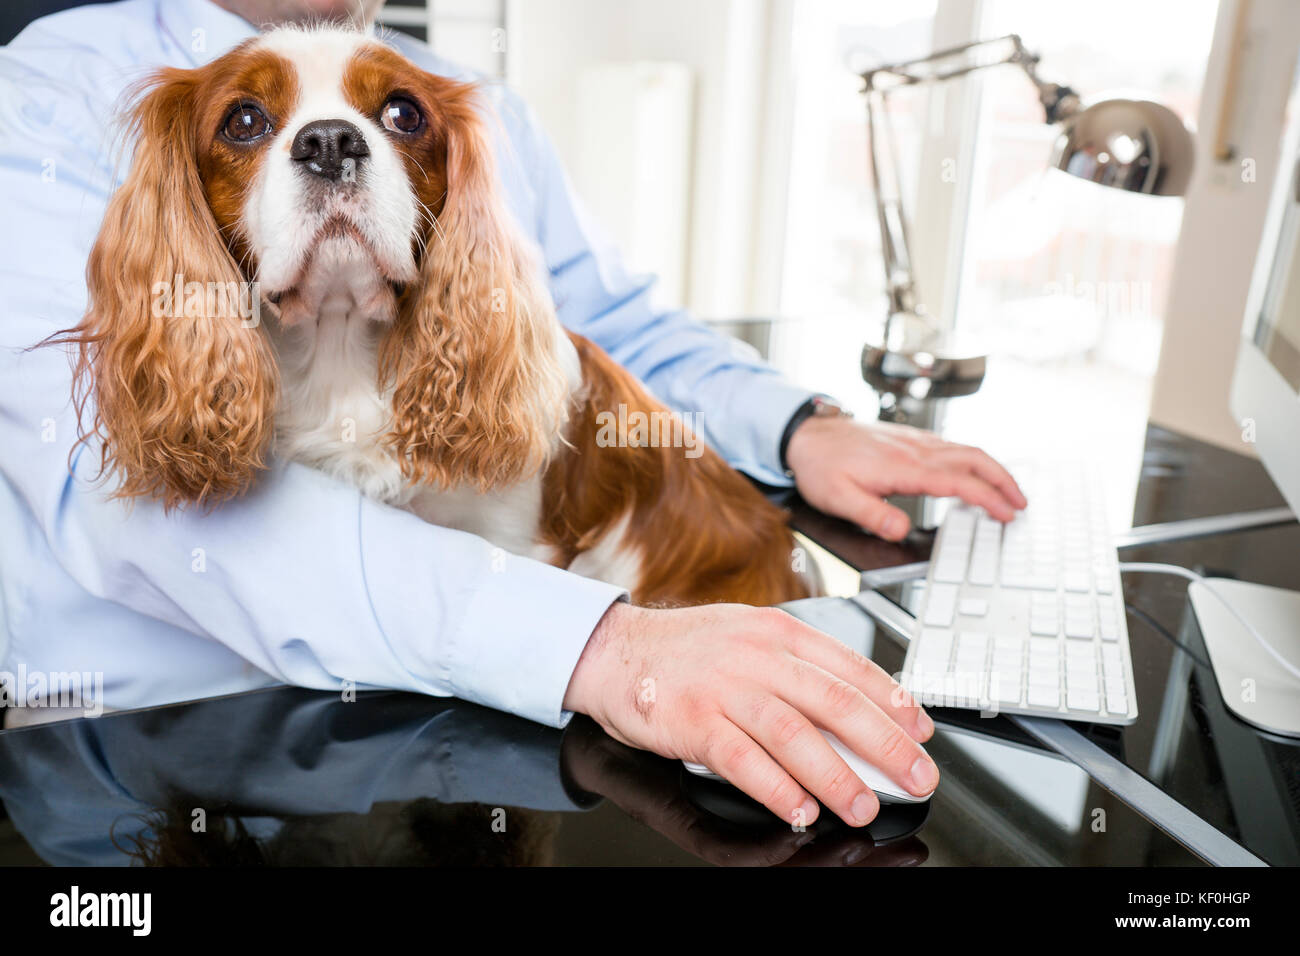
(478, 395)
(182, 392)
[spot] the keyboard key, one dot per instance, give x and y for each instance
(1045, 631)
(1078, 626)
(934, 644)
(1043, 677)
(1005, 689)
(1083, 700)
(1008, 657)
(1085, 683)
(1078, 581)
(941, 605)
(983, 570)
(1036, 681)
(1044, 626)
(968, 686)
(928, 687)
(1044, 647)
(1044, 696)
(949, 571)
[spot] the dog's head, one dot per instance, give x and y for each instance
(306, 170)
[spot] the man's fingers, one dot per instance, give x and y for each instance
(985, 467)
(839, 659)
(876, 515)
(730, 751)
(942, 483)
(801, 749)
(841, 708)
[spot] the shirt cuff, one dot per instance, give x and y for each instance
(758, 407)
(473, 621)
(522, 634)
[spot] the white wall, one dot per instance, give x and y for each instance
(724, 45)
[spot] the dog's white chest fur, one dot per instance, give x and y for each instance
(509, 518)
(333, 417)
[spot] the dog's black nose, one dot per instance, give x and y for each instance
(331, 149)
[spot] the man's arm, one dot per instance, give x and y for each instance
(305, 578)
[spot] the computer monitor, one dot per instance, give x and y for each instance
(1266, 383)
(1265, 401)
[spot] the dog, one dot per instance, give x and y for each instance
(409, 344)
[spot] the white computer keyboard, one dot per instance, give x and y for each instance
(1027, 618)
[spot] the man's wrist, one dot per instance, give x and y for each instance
(817, 406)
(579, 696)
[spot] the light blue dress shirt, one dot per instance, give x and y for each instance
(79, 792)
(302, 581)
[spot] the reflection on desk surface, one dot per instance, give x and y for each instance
(293, 777)
(288, 776)
(1242, 781)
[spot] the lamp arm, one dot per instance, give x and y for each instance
(1058, 103)
(895, 247)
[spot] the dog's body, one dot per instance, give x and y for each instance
(412, 351)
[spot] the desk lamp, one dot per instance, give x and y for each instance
(1131, 144)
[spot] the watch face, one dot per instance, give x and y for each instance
(823, 409)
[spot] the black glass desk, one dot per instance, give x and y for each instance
(1242, 782)
(288, 776)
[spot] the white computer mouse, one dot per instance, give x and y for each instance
(885, 789)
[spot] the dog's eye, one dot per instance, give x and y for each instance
(401, 115)
(245, 124)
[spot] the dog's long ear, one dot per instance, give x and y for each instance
(479, 395)
(183, 386)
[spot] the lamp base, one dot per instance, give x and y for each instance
(919, 361)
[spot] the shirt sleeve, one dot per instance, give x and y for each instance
(305, 578)
(743, 403)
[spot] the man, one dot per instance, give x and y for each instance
(304, 581)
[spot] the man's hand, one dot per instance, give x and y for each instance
(845, 468)
(743, 690)
(650, 791)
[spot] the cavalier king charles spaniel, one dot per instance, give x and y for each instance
(410, 346)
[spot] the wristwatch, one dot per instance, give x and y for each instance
(819, 406)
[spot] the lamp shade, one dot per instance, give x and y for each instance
(1131, 144)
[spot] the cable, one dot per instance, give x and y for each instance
(1164, 632)
(1144, 567)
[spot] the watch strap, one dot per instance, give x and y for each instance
(815, 406)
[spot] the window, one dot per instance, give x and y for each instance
(832, 290)
(1063, 281)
